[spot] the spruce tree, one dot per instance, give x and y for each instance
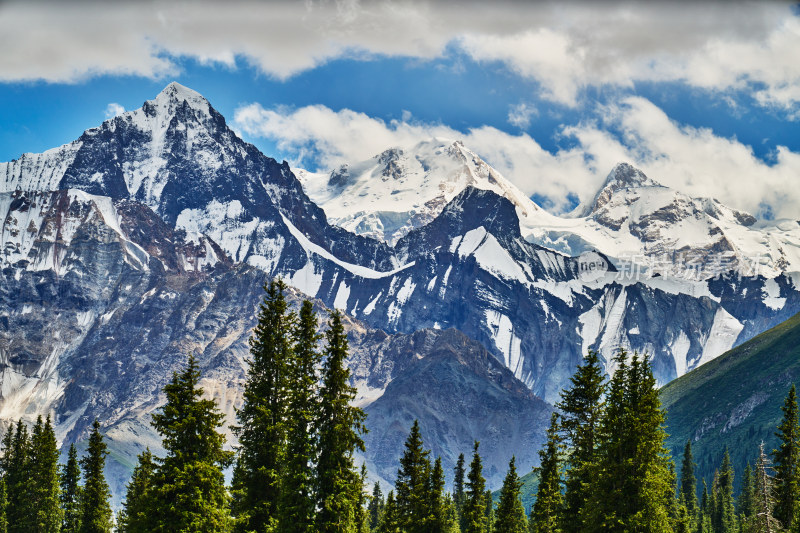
(299, 502)
(95, 508)
(340, 428)
(688, 488)
(724, 517)
(261, 458)
(490, 515)
(787, 463)
(746, 501)
(435, 507)
(44, 487)
(412, 482)
(136, 513)
(474, 509)
(458, 482)
(3, 507)
(362, 514)
(510, 512)
(188, 486)
(389, 520)
(16, 459)
(705, 512)
(547, 512)
(71, 492)
(582, 408)
(376, 505)
(631, 488)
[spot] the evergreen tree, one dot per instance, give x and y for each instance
(787, 463)
(474, 509)
(688, 488)
(724, 517)
(188, 485)
(95, 508)
(17, 458)
(490, 516)
(631, 488)
(705, 512)
(412, 496)
(3, 507)
(71, 492)
(376, 505)
(581, 407)
(299, 503)
(135, 516)
(746, 502)
(362, 515)
(510, 512)
(437, 515)
(547, 513)
(389, 522)
(262, 418)
(340, 427)
(44, 483)
(458, 483)
(451, 517)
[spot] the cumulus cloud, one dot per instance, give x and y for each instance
(520, 115)
(114, 109)
(692, 160)
(712, 45)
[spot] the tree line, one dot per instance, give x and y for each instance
(604, 465)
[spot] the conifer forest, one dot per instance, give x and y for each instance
(604, 466)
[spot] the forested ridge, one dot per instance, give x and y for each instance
(604, 466)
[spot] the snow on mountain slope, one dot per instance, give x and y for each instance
(656, 229)
(401, 189)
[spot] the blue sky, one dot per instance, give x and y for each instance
(703, 97)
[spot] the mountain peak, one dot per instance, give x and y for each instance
(624, 176)
(174, 95)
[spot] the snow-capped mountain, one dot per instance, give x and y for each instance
(636, 220)
(398, 190)
(150, 236)
(632, 219)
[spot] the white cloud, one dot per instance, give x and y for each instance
(114, 109)
(520, 115)
(565, 47)
(691, 160)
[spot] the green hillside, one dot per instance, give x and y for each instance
(733, 400)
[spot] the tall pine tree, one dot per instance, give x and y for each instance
(44, 489)
(474, 508)
(299, 502)
(631, 489)
(547, 512)
(261, 459)
(340, 428)
(71, 492)
(582, 408)
(411, 494)
(510, 512)
(136, 512)
(16, 460)
(724, 514)
(188, 487)
(376, 505)
(688, 488)
(95, 508)
(787, 463)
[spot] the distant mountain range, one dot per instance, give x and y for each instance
(151, 235)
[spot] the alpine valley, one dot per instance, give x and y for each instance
(469, 306)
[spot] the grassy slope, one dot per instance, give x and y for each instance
(733, 400)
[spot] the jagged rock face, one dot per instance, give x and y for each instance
(173, 224)
(99, 335)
